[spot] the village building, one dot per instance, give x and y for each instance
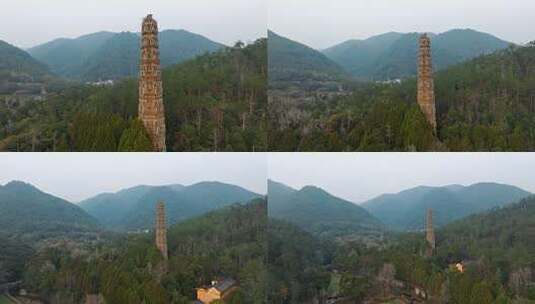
(218, 290)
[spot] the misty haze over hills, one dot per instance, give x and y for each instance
(107, 55)
(317, 211)
(26, 209)
(133, 208)
(96, 56)
(387, 56)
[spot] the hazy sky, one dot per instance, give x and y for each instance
(76, 176)
(26, 23)
(361, 176)
(323, 23)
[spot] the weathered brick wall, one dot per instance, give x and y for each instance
(426, 87)
(161, 229)
(151, 109)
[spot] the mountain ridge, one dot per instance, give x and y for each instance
(289, 60)
(113, 55)
(28, 210)
(405, 210)
(132, 208)
(394, 55)
(19, 70)
(319, 212)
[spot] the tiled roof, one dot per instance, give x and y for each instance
(224, 285)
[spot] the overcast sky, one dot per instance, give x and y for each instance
(361, 176)
(323, 23)
(26, 23)
(76, 176)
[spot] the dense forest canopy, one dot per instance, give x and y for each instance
(27, 210)
(21, 73)
(495, 248)
(13, 256)
(15, 61)
(292, 63)
(320, 213)
(296, 262)
(215, 102)
(227, 243)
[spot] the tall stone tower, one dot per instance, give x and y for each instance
(161, 230)
(151, 109)
(426, 87)
(429, 232)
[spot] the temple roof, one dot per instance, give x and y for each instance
(224, 285)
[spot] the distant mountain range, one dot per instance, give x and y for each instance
(406, 210)
(501, 233)
(323, 214)
(107, 55)
(133, 208)
(318, 212)
(18, 67)
(18, 61)
(387, 56)
(394, 55)
(26, 209)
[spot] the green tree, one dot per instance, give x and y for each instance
(135, 138)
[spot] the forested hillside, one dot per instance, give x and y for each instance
(359, 57)
(215, 102)
(19, 72)
(14, 61)
(110, 208)
(227, 243)
(65, 56)
(13, 256)
(502, 237)
(297, 264)
(133, 209)
(486, 104)
(320, 213)
(118, 57)
(495, 248)
(292, 63)
(28, 212)
(405, 210)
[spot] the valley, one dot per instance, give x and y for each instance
(481, 92)
(111, 56)
(57, 252)
(486, 257)
(53, 95)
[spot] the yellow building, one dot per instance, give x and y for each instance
(459, 267)
(219, 290)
